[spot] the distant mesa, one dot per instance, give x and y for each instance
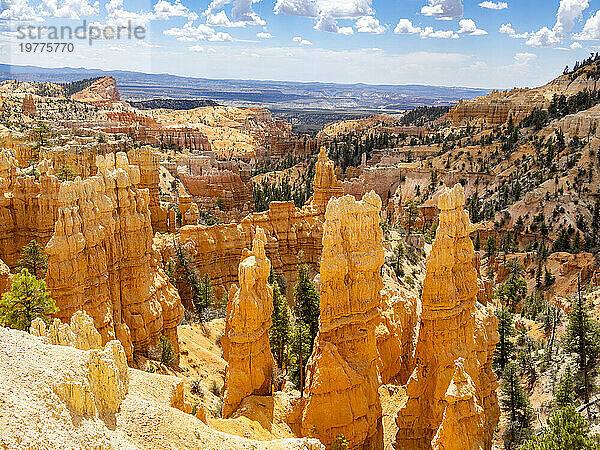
(172, 103)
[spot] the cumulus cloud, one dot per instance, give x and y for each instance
(443, 9)
(346, 31)
(326, 13)
(591, 29)
(18, 11)
(522, 59)
(241, 13)
(202, 32)
(301, 41)
(467, 26)
(68, 9)
(369, 24)
(507, 28)
(575, 45)
(196, 48)
(568, 12)
(405, 26)
(492, 5)
(264, 35)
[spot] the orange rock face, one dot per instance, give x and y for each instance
(247, 350)
(451, 328)
(463, 421)
(342, 376)
(326, 184)
(28, 208)
(101, 258)
(5, 278)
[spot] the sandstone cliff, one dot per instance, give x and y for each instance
(80, 333)
(101, 258)
(452, 327)
(342, 377)
(247, 349)
(325, 184)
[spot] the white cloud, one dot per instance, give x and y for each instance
(575, 46)
(369, 24)
(568, 12)
(198, 33)
(492, 5)
(443, 9)
(164, 10)
(346, 31)
(467, 26)
(196, 48)
(264, 35)
(429, 32)
(17, 11)
(507, 28)
(68, 9)
(405, 26)
(241, 13)
(326, 12)
(591, 29)
(523, 59)
(141, 43)
(301, 41)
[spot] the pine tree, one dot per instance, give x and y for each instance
(581, 337)
(567, 429)
(564, 393)
(205, 294)
(504, 347)
(281, 332)
(307, 303)
(299, 353)
(516, 404)
(34, 259)
(514, 289)
(477, 242)
(27, 300)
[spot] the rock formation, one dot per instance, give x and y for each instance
(463, 421)
(80, 333)
(101, 91)
(247, 350)
(5, 278)
(28, 208)
(325, 184)
(452, 327)
(342, 377)
(101, 258)
(61, 397)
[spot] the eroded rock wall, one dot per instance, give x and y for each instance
(452, 326)
(342, 376)
(101, 258)
(247, 350)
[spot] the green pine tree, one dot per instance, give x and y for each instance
(513, 291)
(505, 346)
(515, 403)
(281, 330)
(34, 259)
(581, 338)
(564, 393)
(299, 353)
(27, 300)
(307, 303)
(567, 429)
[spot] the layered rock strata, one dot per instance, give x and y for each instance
(325, 185)
(80, 333)
(247, 349)
(101, 258)
(452, 327)
(342, 376)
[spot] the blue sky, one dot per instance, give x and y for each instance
(476, 43)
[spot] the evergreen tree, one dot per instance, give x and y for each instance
(167, 354)
(504, 347)
(205, 294)
(567, 429)
(514, 289)
(477, 242)
(299, 353)
(516, 404)
(564, 393)
(281, 332)
(581, 337)
(307, 303)
(27, 300)
(34, 259)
